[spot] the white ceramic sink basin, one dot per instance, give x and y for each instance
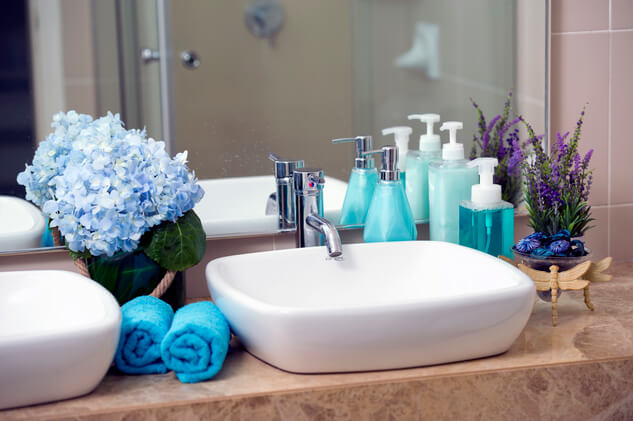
(21, 224)
(384, 306)
(238, 205)
(58, 334)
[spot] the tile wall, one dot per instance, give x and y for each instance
(592, 62)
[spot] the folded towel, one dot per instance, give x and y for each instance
(197, 343)
(145, 323)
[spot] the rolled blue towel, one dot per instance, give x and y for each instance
(197, 343)
(145, 323)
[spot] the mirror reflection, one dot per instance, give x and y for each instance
(232, 82)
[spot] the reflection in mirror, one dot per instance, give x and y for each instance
(234, 81)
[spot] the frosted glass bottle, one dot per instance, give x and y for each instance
(450, 182)
(486, 222)
(417, 187)
(360, 190)
(389, 217)
(362, 182)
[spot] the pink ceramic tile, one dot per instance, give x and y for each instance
(597, 238)
(621, 14)
(195, 280)
(576, 80)
(621, 109)
(521, 227)
(579, 15)
(621, 230)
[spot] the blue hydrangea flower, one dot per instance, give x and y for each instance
(52, 156)
(115, 186)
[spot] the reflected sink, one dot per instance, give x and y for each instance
(238, 205)
(384, 306)
(58, 334)
(21, 224)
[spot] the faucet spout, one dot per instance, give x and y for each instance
(330, 234)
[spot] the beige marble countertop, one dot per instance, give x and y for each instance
(582, 337)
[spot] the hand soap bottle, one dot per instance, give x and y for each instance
(401, 135)
(450, 182)
(389, 216)
(362, 182)
(417, 186)
(486, 222)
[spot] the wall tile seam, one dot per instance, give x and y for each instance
(609, 149)
(599, 31)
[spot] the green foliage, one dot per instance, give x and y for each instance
(176, 245)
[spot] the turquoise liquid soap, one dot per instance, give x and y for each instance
(389, 217)
(401, 137)
(362, 182)
(450, 182)
(417, 186)
(486, 222)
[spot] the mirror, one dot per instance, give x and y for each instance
(233, 81)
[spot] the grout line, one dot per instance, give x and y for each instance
(601, 31)
(610, 9)
(620, 205)
(609, 148)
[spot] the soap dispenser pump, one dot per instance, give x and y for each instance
(389, 217)
(417, 186)
(401, 137)
(362, 181)
(486, 222)
(450, 182)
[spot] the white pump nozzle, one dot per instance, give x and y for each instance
(452, 151)
(401, 134)
(485, 193)
(430, 141)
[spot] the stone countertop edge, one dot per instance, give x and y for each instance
(586, 346)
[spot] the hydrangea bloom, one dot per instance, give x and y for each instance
(115, 186)
(51, 156)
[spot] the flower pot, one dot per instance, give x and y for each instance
(130, 274)
(543, 263)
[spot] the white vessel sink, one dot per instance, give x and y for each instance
(238, 205)
(21, 224)
(58, 334)
(384, 306)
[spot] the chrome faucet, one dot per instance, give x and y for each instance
(282, 202)
(312, 227)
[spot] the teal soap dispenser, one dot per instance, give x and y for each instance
(486, 222)
(362, 182)
(450, 182)
(430, 149)
(389, 216)
(401, 137)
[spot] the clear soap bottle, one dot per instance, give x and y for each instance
(417, 186)
(401, 137)
(486, 222)
(450, 182)
(389, 216)
(362, 182)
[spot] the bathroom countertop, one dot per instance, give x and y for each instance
(581, 368)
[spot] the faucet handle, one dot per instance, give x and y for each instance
(308, 179)
(284, 167)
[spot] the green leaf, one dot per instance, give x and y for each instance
(177, 245)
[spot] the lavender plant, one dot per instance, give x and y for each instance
(556, 192)
(499, 139)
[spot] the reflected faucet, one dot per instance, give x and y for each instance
(312, 227)
(282, 202)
